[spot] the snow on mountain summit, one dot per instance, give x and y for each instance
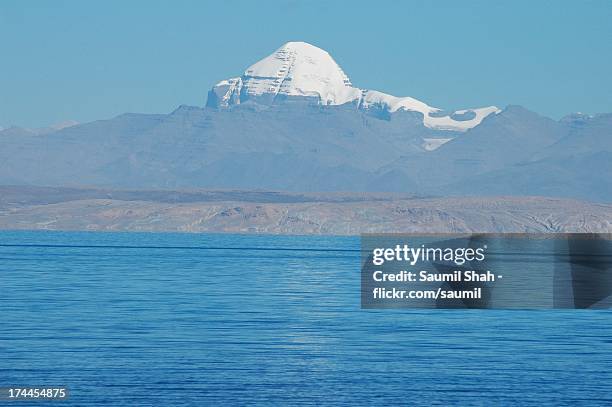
(297, 69)
(301, 70)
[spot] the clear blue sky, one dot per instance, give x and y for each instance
(87, 60)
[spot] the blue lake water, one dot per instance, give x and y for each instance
(173, 319)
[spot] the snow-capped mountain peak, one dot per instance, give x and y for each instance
(295, 70)
(299, 70)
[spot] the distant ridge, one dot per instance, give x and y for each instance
(286, 213)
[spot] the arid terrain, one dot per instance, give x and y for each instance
(36, 208)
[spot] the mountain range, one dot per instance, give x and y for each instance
(293, 121)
